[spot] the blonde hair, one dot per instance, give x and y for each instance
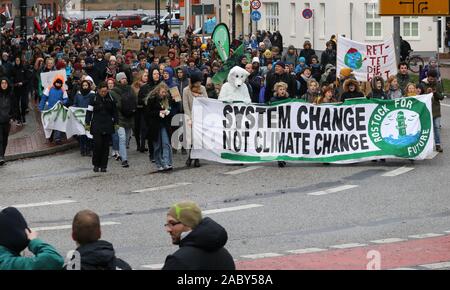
(389, 82)
(280, 85)
(406, 90)
(155, 93)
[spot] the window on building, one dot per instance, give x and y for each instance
(308, 23)
(272, 16)
(293, 20)
(410, 26)
(373, 21)
(322, 17)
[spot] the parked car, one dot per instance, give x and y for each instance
(172, 18)
(100, 20)
(133, 21)
(149, 20)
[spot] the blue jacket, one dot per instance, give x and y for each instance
(81, 101)
(51, 97)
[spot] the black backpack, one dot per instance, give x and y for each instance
(128, 104)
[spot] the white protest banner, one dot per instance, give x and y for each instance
(367, 59)
(47, 78)
(69, 120)
(292, 130)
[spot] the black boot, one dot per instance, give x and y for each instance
(197, 163)
(189, 162)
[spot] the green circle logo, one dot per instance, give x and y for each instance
(401, 128)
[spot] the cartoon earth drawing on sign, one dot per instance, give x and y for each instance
(406, 131)
(354, 59)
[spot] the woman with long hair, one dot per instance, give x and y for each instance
(140, 80)
(156, 113)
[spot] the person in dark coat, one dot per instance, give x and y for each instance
(95, 254)
(154, 79)
(20, 78)
(377, 85)
(201, 240)
(351, 90)
(157, 109)
(82, 100)
(307, 52)
(279, 76)
(6, 112)
(328, 56)
(102, 121)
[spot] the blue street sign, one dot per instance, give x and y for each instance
(256, 16)
(307, 13)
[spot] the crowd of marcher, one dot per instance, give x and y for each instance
(130, 93)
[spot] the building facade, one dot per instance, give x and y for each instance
(356, 19)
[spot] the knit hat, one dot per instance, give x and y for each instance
(187, 212)
(77, 66)
(346, 72)
(302, 59)
(255, 59)
(280, 63)
(120, 76)
(12, 230)
(60, 65)
(112, 58)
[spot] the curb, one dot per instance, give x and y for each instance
(44, 152)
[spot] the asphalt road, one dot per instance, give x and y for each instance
(300, 206)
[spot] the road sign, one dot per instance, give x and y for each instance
(245, 6)
(256, 15)
(256, 4)
(307, 13)
(414, 7)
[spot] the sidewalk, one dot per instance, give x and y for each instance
(29, 141)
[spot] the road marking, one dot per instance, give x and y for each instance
(436, 265)
(170, 186)
(388, 241)
(263, 255)
(398, 171)
(306, 251)
(65, 227)
(153, 266)
(243, 170)
(235, 208)
(448, 232)
(432, 155)
(424, 236)
(445, 105)
(404, 269)
(348, 246)
(44, 203)
(333, 190)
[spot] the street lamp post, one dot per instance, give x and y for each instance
(233, 19)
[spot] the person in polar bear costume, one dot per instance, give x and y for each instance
(235, 90)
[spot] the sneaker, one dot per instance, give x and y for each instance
(168, 168)
(2, 161)
(125, 164)
(160, 169)
(96, 169)
(118, 158)
(439, 148)
(103, 170)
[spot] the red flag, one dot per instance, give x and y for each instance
(89, 27)
(58, 23)
(37, 25)
(68, 27)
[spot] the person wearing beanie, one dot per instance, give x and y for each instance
(15, 237)
(290, 56)
(126, 103)
(279, 76)
(201, 240)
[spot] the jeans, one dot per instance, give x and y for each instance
(124, 135)
(162, 149)
(115, 141)
(437, 130)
